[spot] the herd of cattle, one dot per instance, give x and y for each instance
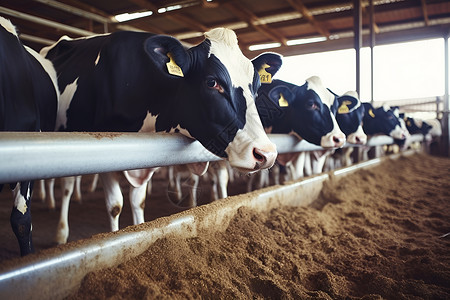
(135, 82)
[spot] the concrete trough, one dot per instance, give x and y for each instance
(44, 276)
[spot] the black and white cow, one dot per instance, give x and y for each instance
(382, 120)
(307, 111)
(28, 102)
(113, 82)
(349, 116)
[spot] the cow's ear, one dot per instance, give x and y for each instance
(282, 95)
(347, 104)
(168, 54)
(267, 65)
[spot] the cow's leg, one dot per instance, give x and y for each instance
(347, 158)
(263, 175)
(77, 190)
(21, 216)
(222, 179)
(137, 202)
(299, 165)
(113, 198)
(62, 231)
(40, 191)
(194, 179)
(50, 194)
(275, 170)
(308, 164)
(93, 185)
(214, 182)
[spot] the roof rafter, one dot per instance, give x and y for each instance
(425, 12)
(174, 16)
(252, 20)
(301, 8)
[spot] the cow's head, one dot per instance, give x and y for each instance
(307, 110)
(415, 125)
(215, 96)
(349, 116)
(383, 120)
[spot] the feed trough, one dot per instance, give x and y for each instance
(57, 275)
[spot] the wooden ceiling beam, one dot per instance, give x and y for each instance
(253, 21)
(301, 8)
(425, 12)
(366, 13)
(174, 16)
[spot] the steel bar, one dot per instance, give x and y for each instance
(38, 155)
(45, 22)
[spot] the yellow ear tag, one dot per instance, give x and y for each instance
(371, 113)
(172, 66)
(343, 109)
(264, 76)
(282, 102)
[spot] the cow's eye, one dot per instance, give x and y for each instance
(312, 106)
(213, 84)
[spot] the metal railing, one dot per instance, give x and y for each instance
(38, 155)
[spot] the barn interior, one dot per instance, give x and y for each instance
(288, 27)
(291, 27)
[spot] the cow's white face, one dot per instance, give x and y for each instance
(357, 137)
(334, 138)
(232, 83)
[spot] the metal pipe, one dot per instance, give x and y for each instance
(45, 22)
(76, 11)
(357, 29)
(32, 38)
(372, 45)
(39, 155)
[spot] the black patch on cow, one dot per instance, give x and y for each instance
(305, 114)
(378, 121)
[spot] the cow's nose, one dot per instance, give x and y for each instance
(338, 140)
(264, 159)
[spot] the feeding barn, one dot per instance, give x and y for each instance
(177, 150)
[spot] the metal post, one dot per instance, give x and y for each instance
(372, 44)
(445, 115)
(357, 29)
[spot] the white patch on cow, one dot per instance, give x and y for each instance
(386, 107)
(357, 137)
(48, 67)
(418, 122)
(44, 51)
(149, 125)
(224, 46)
(97, 59)
(353, 94)
(327, 98)
(5, 23)
(399, 133)
(19, 201)
(64, 103)
(335, 138)
(315, 84)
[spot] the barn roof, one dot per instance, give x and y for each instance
(327, 22)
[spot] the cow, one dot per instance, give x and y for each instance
(113, 82)
(349, 117)
(306, 111)
(28, 102)
(382, 120)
